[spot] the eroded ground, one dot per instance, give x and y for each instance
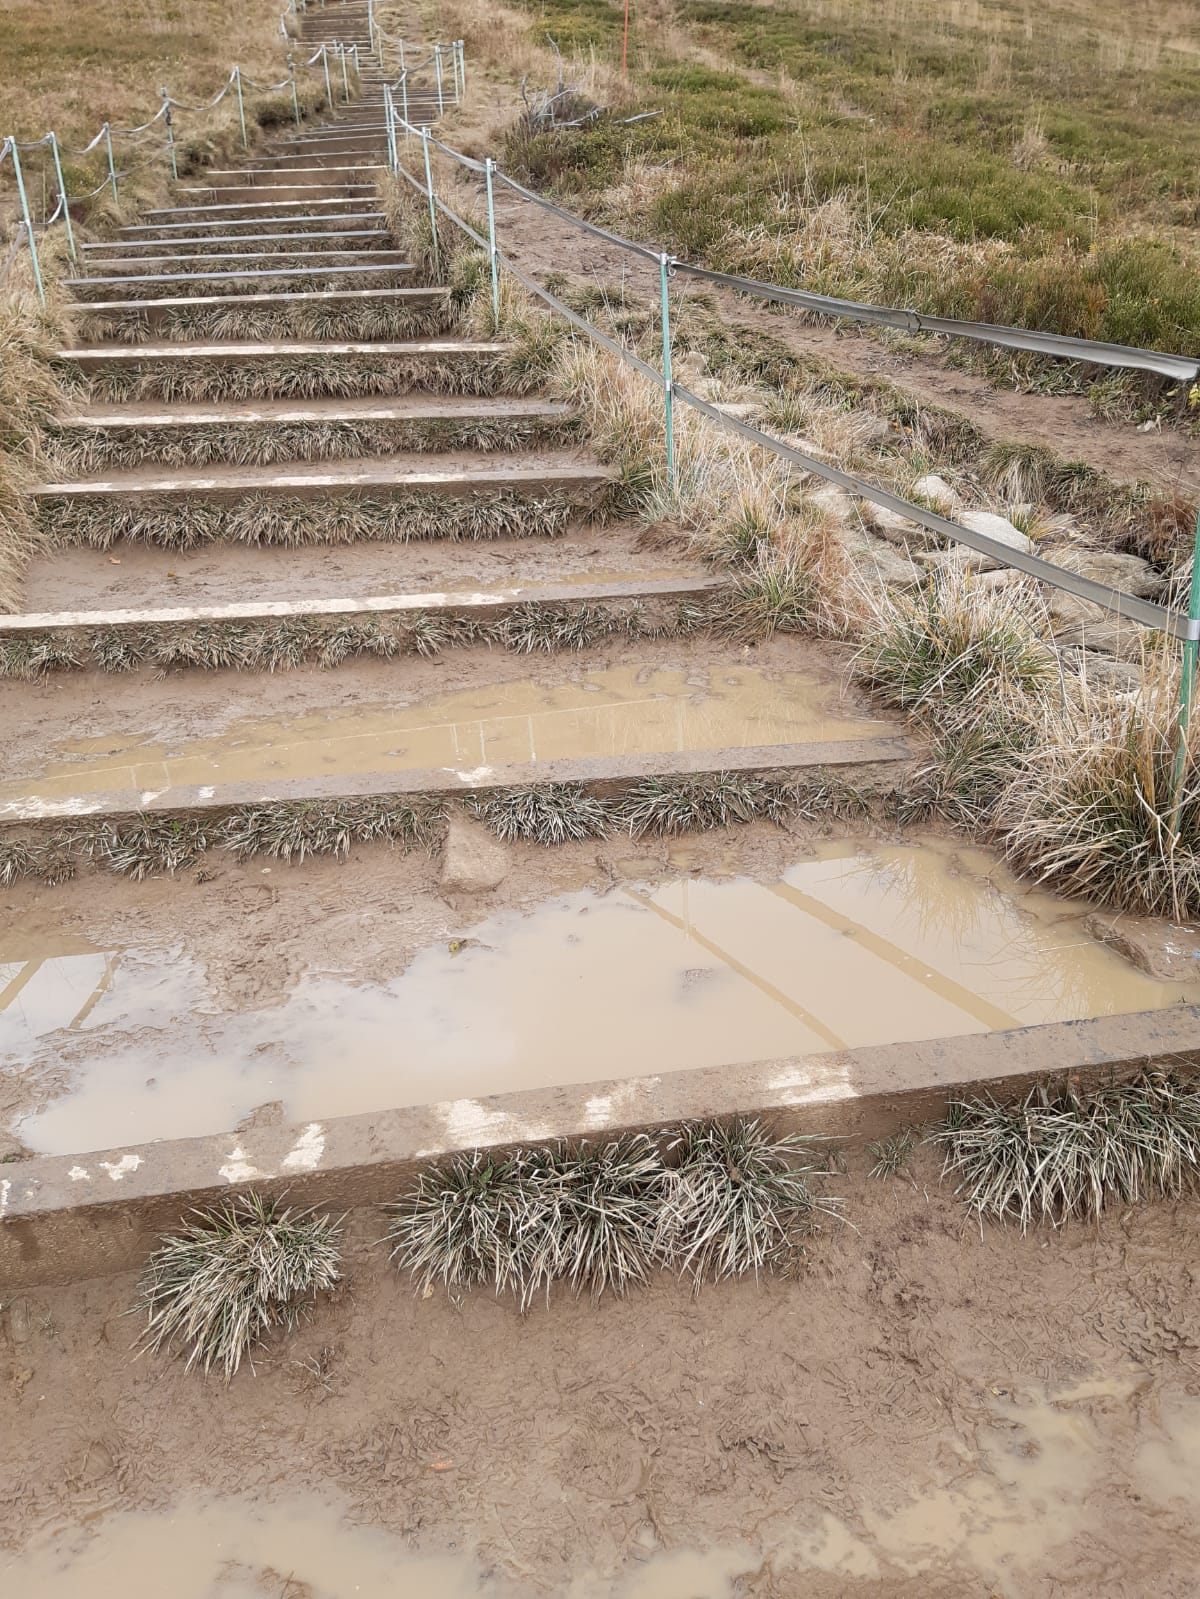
(919, 1414)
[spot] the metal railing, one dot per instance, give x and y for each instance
(1145, 613)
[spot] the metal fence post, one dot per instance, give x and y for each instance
(28, 221)
(1187, 686)
(402, 61)
(328, 85)
(345, 79)
(112, 171)
(167, 118)
(668, 382)
(237, 83)
(462, 63)
(437, 260)
(437, 67)
(461, 69)
(489, 167)
(389, 108)
(62, 195)
(295, 96)
(404, 100)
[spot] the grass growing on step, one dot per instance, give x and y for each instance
(670, 805)
(28, 397)
(1064, 1153)
(339, 322)
(552, 814)
(234, 1275)
(889, 1156)
(739, 1199)
(330, 827)
(262, 520)
(83, 450)
(175, 285)
(151, 845)
(727, 1199)
(303, 377)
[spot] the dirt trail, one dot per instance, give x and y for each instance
(921, 1414)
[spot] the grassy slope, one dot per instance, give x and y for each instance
(1038, 165)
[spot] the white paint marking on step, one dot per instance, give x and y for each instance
(469, 1122)
(151, 794)
(79, 1174)
(806, 1086)
(5, 1190)
(207, 791)
(28, 809)
(119, 1169)
(308, 1149)
(238, 1169)
(475, 776)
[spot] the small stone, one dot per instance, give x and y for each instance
(1129, 573)
(474, 861)
(997, 527)
(18, 1321)
(1102, 671)
(897, 529)
(934, 490)
(835, 502)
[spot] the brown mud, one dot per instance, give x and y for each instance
(920, 1413)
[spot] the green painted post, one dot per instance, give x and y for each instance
(170, 136)
(237, 83)
(112, 171)
(62, 194)
(668, 382)
(437, 67)
(437, 260)
(389, 107)
(28, 223)
(492, 253)
(295, 96)
(1187, 685)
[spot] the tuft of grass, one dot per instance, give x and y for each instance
(1062, 1153)
(346, 320)
(234, 1275)
(153, 844)
(738, 1198)
(463, 1226)
(953, 643)
(550, 814)
(889, 1156)
(670, 805)
(774, 594)
(1105, 801)
(329, 827)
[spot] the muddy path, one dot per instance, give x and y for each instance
(919, 1414)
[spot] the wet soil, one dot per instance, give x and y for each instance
(921, 1413)
(594, 961)
(464, 709)
(133, 579)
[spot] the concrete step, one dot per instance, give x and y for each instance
(318, 176)
(369, 154)
(129, 267)
(304, 208)
(453, 475)
(113, 437)
(350, 241)
(234, 278)
(332, 216)
(246, 199)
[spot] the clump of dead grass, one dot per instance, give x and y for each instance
(234, 1275)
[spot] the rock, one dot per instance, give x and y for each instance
(1091, 627)
(1129, 573)
(835, 502)
(474, 861)
(876, 561)
(1169, 953)
(269, 1114)
(740, 410)
(897, 529)
(998, 528)
(18, 1320)
(1102, 671)
(935, 491)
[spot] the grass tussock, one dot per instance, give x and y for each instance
(555, 814)
(29, 395)
(1064, 1153)
(724, 1200)
(235, 1275)
(281, 522)
(1105, 801)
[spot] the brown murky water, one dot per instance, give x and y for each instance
(998, 1505)
(624, 710)
(849, 947)
(232, 1549)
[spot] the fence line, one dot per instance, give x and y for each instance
(1185, 629)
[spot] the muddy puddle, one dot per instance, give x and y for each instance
(622, 710)
(846, 947)
(1003, 1504)
(305, 1549)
